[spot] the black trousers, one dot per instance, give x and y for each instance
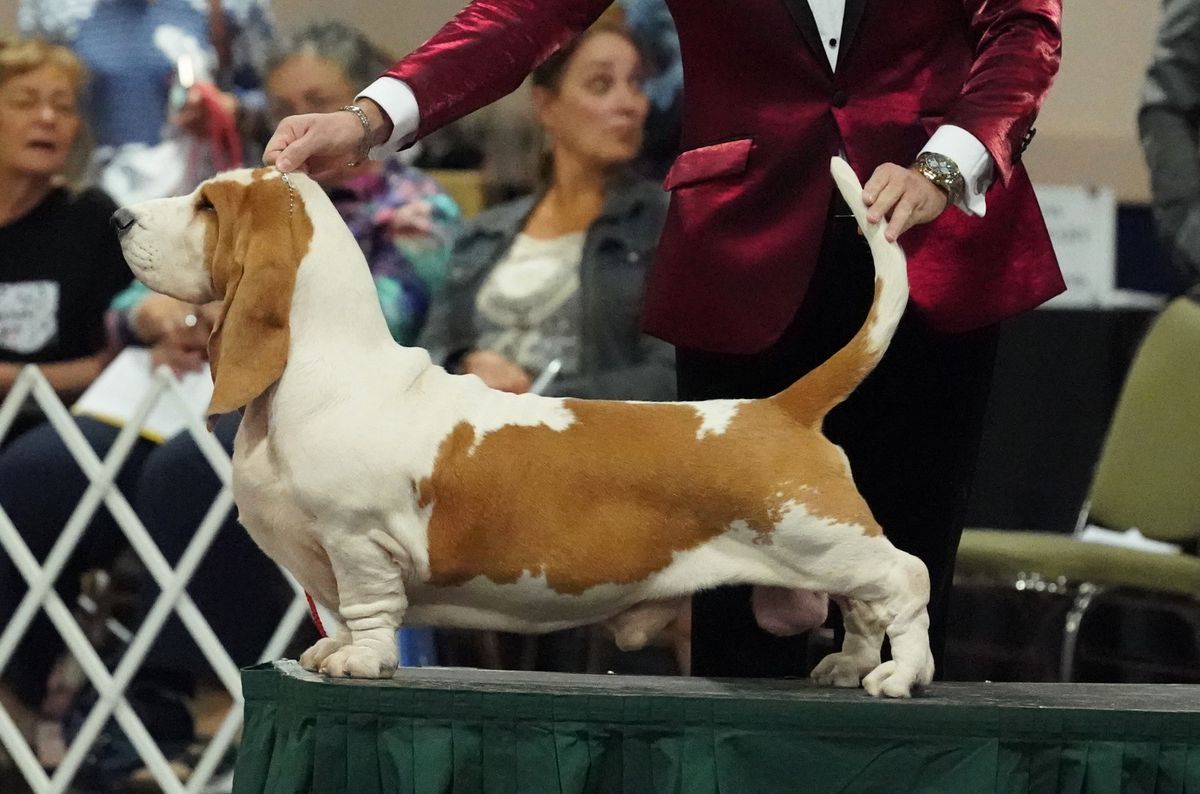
(911, 432)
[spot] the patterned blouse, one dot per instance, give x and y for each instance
(405, 224)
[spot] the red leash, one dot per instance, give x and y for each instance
(224, 143)
(316, 619)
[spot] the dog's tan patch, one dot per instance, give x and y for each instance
(254, 247)
(615, 495)
(809, 399)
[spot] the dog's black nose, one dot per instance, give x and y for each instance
(122, 220)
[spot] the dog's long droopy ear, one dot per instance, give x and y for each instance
(262, 234)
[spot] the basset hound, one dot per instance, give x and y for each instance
(396, 492)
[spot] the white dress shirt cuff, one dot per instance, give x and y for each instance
(398, 102)
(973, 160)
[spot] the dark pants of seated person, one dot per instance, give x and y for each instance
(911, 432)
(40, 486)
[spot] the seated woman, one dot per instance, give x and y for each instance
(60, 264)
(546, 291)
(404, 223)
(553, 283)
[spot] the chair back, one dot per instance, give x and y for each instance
(464, 186)
(1149, 470)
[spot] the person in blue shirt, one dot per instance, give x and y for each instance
(137, 52)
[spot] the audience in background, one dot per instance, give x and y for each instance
(549, 287)
(1169, 123)
(60, 263)
(404, 224)
(168, 79)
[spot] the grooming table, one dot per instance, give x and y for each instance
(433, 730)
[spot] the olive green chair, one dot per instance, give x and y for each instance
(1148, 476)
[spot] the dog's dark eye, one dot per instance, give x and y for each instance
(204, 205)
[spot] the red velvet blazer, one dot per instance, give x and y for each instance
(763, 115)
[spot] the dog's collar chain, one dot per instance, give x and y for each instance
(291, 192)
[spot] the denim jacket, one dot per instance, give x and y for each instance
(617, 361)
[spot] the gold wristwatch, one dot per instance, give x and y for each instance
(943, 172)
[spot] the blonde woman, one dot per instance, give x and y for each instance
(60, 264)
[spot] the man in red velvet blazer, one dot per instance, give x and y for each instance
(758, 276)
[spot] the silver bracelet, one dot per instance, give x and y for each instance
(364, 148)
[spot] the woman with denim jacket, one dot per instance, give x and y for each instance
(547, 289)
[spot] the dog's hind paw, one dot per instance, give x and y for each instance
(842, 670)
(321, 650)
(356, 661)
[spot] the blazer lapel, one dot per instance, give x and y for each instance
(802, 16)
(850, 19)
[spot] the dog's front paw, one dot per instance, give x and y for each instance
(321, 650)
(895, 680)
(843, 670)
(357, 661)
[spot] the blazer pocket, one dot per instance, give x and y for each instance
(709, 162)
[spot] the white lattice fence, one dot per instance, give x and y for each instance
(110, 686)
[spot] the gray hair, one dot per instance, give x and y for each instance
(358, 57)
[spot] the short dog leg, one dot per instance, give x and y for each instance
(371, 603)
(865, 625)
(912, 662)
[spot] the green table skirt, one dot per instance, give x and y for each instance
(444, 730)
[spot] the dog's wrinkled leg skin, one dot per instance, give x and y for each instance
(865, 625)
(784, 611)
(371, 603)
(372, 650)
(912, 662)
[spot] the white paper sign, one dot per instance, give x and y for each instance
(1083, 228)
(116, 394)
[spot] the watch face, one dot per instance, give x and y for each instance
(938, 165)
(941, 171)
